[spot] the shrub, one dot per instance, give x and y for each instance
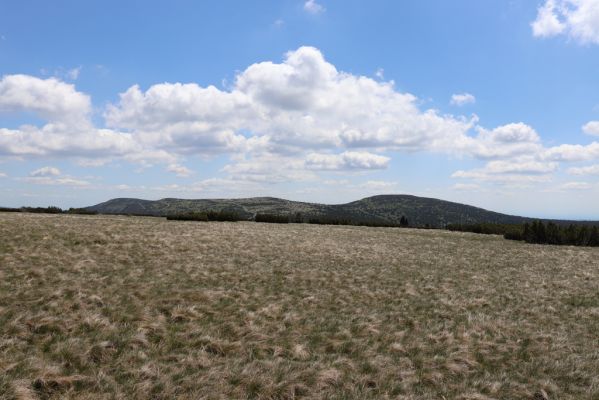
(272, 218)
(223, 215)
(81, 211)
(44, 210)
(328, 221)
(9, 209)
(189, 216)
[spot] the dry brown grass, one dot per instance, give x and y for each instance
(142, 308)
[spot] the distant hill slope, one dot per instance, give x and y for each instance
(420, 211)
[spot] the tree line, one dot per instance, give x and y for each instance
(536, 232)
(49, 210)
(551, 233)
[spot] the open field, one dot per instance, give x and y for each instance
(131, 307)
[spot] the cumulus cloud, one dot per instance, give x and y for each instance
(524, 169)
(301, 106)
(349, 160)
(547, 22)
(45, 171)
(179, 170)
(68, 131)
(578, 19)
(313, 7)
(278, 122)
(462, 99)
(505, 141)
(572, 152)
(591, 128)
(588, 170)
(49, 98)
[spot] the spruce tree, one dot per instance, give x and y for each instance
(594, 237)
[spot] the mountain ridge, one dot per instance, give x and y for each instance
(420, 211)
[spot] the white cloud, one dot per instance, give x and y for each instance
(572, 152)
(523, 169)
(313, 7)
(505, 141)
(349, 160)
(270, 168)
(179, 170)
(578, 19)
(588, 170)
(378, 186)
(466, 187)
(45, 171)
(576, 186)
(591, 128)
(547, 22)
(50, 98)
(486, 176)
(462, 99)
(278, 122)
(47, 180)
(3, 175)
(52, 176)
(300, 106)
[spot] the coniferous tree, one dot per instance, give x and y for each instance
(594, 237)
(583, 236)
(527, 234)
(552, 232)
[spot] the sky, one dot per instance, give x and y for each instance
(493, 104)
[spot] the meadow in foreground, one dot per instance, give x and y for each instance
(125, 307)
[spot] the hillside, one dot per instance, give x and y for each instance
(420, 211)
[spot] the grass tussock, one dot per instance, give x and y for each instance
(105, 307)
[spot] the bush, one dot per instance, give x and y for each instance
(513, 236)
(81, 211)
(190, 216)
(44, 210)
(8, 209)
(272, 218)
(222, 215)
(487, 228)
(328, 221)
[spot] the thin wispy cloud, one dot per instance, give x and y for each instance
(462, 99)
(313, 7)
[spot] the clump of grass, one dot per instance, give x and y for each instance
(133, 307)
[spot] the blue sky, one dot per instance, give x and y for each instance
(494, 104)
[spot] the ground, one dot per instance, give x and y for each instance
(143, 308)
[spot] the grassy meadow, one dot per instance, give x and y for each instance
(109, 307)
